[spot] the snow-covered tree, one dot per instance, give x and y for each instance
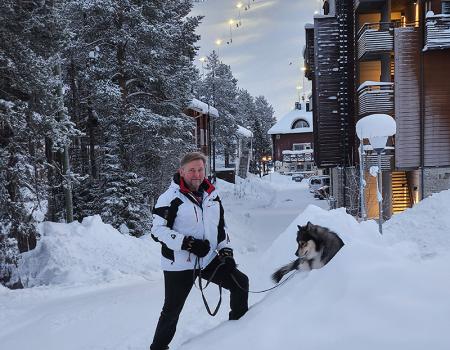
(219, 89)
(263, 121)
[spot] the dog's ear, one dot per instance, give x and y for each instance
(299, 227)
(309, 225)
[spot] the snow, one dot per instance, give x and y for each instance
(374, 83)
(203, 108)
(380, 291)
(284, 125)
(427, 224)
(87, 252)
(303, 151)
(244, 132)
(375, 125)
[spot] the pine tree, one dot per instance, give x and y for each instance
(263, 121)
(219, 89)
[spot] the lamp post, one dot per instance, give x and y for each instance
(230, 22)
(377, 128)
(239, 6)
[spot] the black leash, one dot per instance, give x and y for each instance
(264, 290)
(200, 285)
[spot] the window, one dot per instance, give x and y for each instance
(445, 7)
(301, 146)
(300, 123)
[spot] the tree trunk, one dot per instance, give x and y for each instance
(67, 184)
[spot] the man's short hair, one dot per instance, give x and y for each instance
(189, 157)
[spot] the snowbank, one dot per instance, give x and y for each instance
(372, 295)
(427, 224)
(87, 252)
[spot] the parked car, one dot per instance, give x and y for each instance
(316, 182)
(322, 193)
(297, 177)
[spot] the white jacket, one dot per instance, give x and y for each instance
(177, 215)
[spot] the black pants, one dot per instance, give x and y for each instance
(178, 284)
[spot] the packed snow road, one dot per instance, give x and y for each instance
(105, 291)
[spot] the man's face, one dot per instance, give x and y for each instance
(193, 174)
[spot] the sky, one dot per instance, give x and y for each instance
(266, 51)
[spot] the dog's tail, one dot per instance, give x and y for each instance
(278, 274)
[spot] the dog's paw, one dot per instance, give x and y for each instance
(277, 275)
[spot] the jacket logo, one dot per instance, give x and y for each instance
(173, 236)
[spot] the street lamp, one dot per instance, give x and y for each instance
(230, 22)
(377, 128)
(203, 60)
(239, 6)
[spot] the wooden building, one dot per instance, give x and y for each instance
(329, 64)
(403, 70)
(203, 114)
(397, 52)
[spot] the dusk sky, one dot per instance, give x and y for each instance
(266, 53)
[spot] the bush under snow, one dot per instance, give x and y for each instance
(87, 252)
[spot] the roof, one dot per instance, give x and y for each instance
(284, 125)
(243, 131)
(203, 108)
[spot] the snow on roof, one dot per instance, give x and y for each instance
(303, 151)
(284, 125)
(309, 25)
(440, 15)
(203, 108)
(244, 132)
(374, 83)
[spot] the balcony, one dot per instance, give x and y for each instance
(368, 5)
(437, 31)
(375, 97)
(371, 158)
(374, 39)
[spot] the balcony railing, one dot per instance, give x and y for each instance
(375, 97)
(375, 38)
(437, 32)
(371, 158)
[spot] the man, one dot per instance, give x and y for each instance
(188, 220)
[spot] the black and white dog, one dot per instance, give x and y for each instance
(317, 245)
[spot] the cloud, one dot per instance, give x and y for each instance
(271, 36)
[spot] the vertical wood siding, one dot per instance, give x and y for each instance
(407, 97)
(437, 108)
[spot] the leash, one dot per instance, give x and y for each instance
(201, 288)
(264, 290)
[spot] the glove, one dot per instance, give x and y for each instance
(196, 246)
(226, 257)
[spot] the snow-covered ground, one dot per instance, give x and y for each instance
(97, 289)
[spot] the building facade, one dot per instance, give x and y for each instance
(293, 141)
(401, 68)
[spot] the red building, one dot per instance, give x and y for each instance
(292, 139)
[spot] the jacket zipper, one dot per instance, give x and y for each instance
(195, 209)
